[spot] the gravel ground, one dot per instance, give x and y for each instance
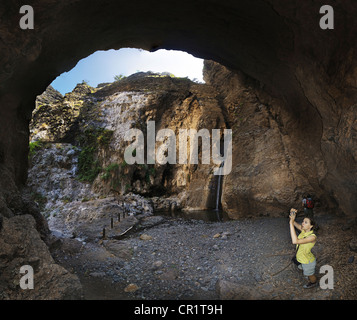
(175, 258)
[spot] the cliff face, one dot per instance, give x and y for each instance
(276, 159)
(95, 122)
(274, 164)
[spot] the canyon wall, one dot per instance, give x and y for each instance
(273, 164)
(95, 120)
(305, 79)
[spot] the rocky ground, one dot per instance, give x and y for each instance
(175, 258)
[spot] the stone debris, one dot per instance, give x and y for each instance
(131, 288)
(145, 237)
(181, 262)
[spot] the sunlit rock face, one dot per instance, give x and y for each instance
(272, 168)
(306, 79)
(274, 165)
(90, 140)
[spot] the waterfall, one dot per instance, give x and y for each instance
(219, 191)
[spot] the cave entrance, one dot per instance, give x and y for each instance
(257, 38)
(76, 139)
(246, 36)
(104, 67)
(273, 44)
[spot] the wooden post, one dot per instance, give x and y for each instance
(111, 223)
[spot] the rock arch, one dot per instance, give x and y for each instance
(309, 72)
(279, 45)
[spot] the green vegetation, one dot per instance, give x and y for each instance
(88, 163)
(127, 187)
(66, 200)
(149, 172)
(119, 77)
(115, 174)
(88, 167)
(162, 75)
(40, 199)
(103, 137)
(123, 164)
(33, 146)
(109, 170)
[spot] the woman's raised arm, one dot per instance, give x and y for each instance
(297, 226)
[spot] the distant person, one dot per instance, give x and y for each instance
(308, 205)
(306, 240)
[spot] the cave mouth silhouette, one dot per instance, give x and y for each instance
(193, 62)
(253, 39)
(310, 73)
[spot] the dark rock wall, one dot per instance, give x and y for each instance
(310, 72)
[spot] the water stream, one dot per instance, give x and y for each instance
(210, 215)
(219, 187)
(218, 195)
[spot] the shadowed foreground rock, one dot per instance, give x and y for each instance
(21, 245)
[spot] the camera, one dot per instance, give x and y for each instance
(292, 211)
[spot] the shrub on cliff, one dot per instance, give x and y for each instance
(90, 141)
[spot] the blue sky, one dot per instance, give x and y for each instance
(102, 66)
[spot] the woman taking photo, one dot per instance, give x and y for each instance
(304, 243)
